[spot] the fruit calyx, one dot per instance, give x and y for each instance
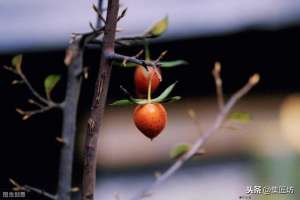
(162, 98)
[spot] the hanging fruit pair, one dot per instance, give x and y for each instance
(149, 116)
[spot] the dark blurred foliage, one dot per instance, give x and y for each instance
(28, 150)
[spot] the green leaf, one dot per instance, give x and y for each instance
(17, 62)
(131, 101)
(172, 99)
(50, 82)
(158, 28)
(122, 102)
(165, 93)
(179, 150)
(173, 63)
(242, 117)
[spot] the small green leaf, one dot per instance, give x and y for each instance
(131, 101)
(122, 102)
(179, 151)
(242, 117)
(173, 63)
(165, 93)
(158, 28)
(17, 62)
(172, 99)
(50, 83)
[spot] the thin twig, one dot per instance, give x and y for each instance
(99, 14)
(31, 101)
(221, 117)
(136, 57)
(14, 82)
(33, 91)
(123, 13)
(39, 191)
(218, 82)
(160, 56)
(49, 104)
(10, 69)
(92, 27)
(139, 53)
(28, 84)
(29, 113)
(126, 93)
(87, 37)
(28, 188)
(132, 59)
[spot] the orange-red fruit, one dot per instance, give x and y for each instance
(150, 119)
(141, 80)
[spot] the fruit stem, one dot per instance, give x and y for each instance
(149, 86)
(147, 51)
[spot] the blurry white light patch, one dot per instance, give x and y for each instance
(290, 120)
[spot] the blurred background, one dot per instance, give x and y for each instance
(245, 36)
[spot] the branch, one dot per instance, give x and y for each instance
(221, 117)
(132, 59)
(123, 13)
(99, 14)
(27, 188)
(89, 37)
(124, 63)
(127, 94)
(218, 82)
(27, 114)
(44, 105)
(31, 101)
(28, 84)
(160, 57)
(99, 101)
(74, 62)
(121, 41)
